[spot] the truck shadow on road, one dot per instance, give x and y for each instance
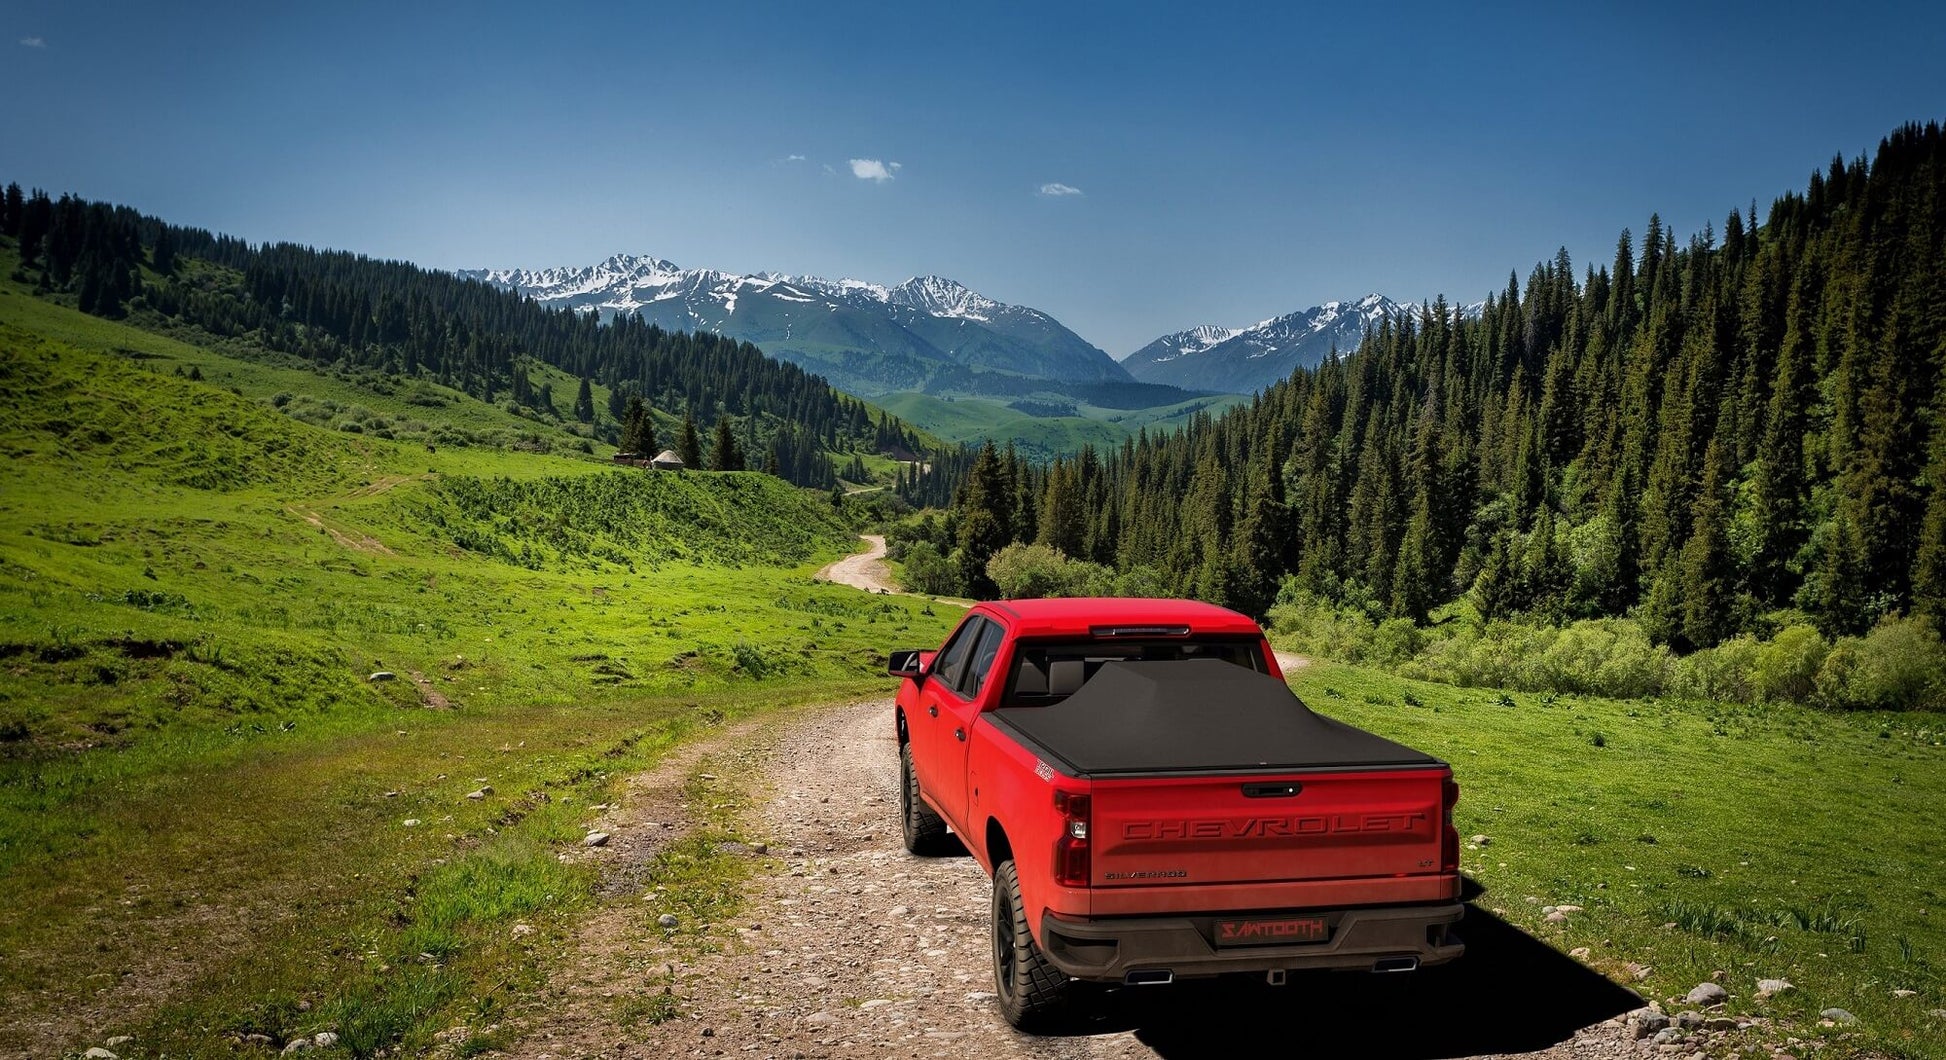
(1510, 993)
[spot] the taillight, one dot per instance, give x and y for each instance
(1071, 850)
(1449, 847)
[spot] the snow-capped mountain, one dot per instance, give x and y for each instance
(1243, 360)
(863, 337)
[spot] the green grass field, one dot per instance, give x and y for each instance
(1761, 842)
(196, 840)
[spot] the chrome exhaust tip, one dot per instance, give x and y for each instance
(1395, 964)
(1274, 977)
(1149, 977)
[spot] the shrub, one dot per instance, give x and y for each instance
(1897, 666)
(1314, 627)
(1609, 657)
(1787, 667)
(1025, 571)
(1394, 641)
(1726, 672)
(926, 571)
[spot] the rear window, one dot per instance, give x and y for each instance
(1045, 672)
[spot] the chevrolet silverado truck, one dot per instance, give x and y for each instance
(1152, 802)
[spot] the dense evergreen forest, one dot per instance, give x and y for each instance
(1698, 434)
(340, 309)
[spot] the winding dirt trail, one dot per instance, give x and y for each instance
(864, 570)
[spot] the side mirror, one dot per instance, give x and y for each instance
(906, 663)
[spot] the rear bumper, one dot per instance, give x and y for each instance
(1106, 950)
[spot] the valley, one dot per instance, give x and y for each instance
(355, 697)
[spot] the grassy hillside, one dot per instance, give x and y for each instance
(967, 418)
(1699, 838)
(195, 592)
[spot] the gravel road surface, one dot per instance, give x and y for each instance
(849, 947)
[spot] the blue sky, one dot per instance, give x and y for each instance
(1227, 163)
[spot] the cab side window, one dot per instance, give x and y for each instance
(951, 667)
(983, 656)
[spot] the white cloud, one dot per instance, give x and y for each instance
(33, 42)
(873, 170)
(793, 158)
(1057, 190)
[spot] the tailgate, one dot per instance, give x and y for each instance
(1266, 828)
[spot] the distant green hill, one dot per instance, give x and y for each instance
(1037, 423)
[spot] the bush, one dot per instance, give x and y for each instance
(1314, 627)
(1726, 672)
(1027, 571)
(1787, 667)
(1394, 641)
(1897, 666)
(926, 571)
(1609, 657)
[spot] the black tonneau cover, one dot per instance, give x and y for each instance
(1194, 715)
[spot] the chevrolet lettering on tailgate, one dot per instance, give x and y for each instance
(1255, 827)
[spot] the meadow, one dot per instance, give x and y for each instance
(202, 784)
(1697, 838)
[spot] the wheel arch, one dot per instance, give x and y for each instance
(998, 847)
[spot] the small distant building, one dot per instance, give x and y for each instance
(630, 459)
(666, 460)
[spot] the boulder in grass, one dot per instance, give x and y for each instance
(1708, 994)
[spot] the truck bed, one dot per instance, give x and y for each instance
(1194, 717)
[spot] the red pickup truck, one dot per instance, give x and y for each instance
(1152, 803)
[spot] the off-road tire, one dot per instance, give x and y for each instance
(1032, 992)
(925, 831)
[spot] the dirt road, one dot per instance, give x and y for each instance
(864, 570)
(849, 947)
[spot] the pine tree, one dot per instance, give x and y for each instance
(634, 423)
(1063, 523)
(1706, 580)
(1496, 592)
(163, 255)
(982, 522)
(1837, 597)
(689, 449)
(584, 402)
(1929, 568)
(1544, 573)
(724, 454)
(1262, 537)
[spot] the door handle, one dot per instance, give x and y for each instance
(960, 735)
(933, 710)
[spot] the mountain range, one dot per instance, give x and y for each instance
(926, 334)
(935, 335)
(1242, 360)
